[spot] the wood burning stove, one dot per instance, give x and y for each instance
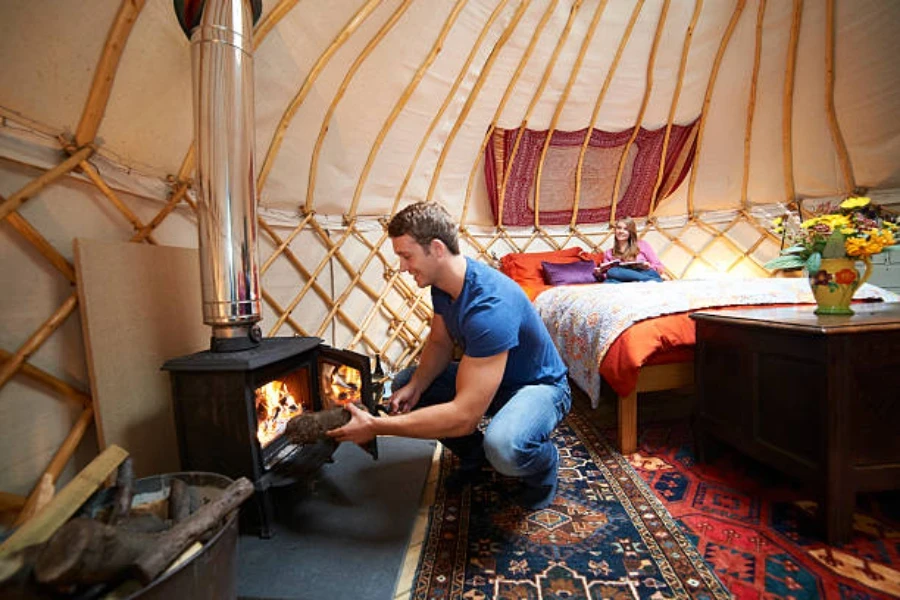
(231, 409)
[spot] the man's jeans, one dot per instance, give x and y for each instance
(517, 440)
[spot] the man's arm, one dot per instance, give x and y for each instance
(477, 382)
(436, 354)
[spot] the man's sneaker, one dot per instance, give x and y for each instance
(537, 496)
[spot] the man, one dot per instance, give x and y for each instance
(510, 370)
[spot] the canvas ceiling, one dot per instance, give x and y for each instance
(361, 122)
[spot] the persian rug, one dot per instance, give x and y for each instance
(756, 528)
(604, 536)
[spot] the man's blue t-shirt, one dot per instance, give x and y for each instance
(492, 315)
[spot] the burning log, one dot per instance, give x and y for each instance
(310, 427)
(84, 551)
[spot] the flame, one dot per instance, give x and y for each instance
(275, 406)
(344, 385)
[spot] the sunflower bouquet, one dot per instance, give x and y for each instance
(857, 230)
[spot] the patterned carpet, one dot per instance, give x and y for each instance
(605, 536)
(758, 531)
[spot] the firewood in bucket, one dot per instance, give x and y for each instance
(310, 427)
(124, 492)
(84, 551)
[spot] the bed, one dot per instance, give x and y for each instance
(638, 337)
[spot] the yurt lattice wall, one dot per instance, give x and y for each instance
(331, 273)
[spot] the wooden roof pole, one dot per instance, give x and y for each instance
(31, 345)
(787, 107)
(685, 50)
(532, 43)
(18, 198)
(339, 94)
(751, 104)
(436, 48)
(57, 464)
(648, 89)
(94, 175)
(280, 248)
(596, 112)
(710, 84)
(451, 94)
(105, 72)
(40, 243)
(281, 129)
(548, 70)
(44, 378)
(473, 95)
(554, 120)
(271, 19)
(835, 128)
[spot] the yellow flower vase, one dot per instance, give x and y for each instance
(834, 284)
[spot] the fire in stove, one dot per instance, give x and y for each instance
(278, 402)
(341, 385)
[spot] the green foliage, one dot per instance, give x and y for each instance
(834, 246)
(813, 263)
(787, 261)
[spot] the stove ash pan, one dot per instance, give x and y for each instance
(231, 409)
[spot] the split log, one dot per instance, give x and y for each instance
(173, 542)
(85, 551)
(88, 551)
(310, 427)
(124, 492)
(179, 500)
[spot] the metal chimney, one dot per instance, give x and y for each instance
(222, 64)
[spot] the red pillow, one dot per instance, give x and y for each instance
(525, 267)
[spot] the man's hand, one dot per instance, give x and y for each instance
(359, 430)
(404, 399)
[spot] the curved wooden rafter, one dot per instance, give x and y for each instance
(710, 85)
(751, 104)
(284, 123)
(339, 94)
(554, 120)
(529, 49)
(404, 98)
(787, 105)
(648, 89)
(579, 168)
(673, 106)
(535, 97)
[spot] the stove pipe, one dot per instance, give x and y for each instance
(222, 65)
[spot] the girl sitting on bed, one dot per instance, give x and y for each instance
(629, 259)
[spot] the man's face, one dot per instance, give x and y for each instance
(415, 260)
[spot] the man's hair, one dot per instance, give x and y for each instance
(424, 222)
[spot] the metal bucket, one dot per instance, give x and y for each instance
(208, 575)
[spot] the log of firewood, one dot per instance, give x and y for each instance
(88, 551)
(310, 427)
(179, 500)
(124, 492)
(174, 541)
(85, 551)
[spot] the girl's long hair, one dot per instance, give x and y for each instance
(631, 247)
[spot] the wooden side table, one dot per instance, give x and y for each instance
(817, 397)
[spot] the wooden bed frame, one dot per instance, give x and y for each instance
(651, 378)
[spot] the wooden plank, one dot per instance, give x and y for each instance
(140, 306)
(66, 502)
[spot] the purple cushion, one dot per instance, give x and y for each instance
(565, 274)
